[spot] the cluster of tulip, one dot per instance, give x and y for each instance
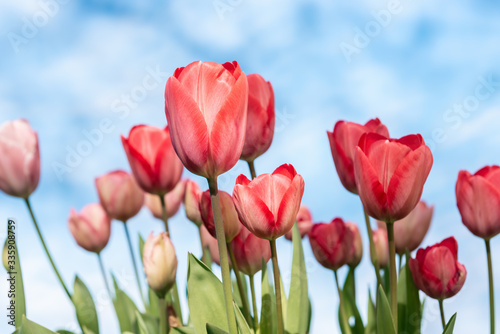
(217, 115)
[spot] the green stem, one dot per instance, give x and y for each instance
(164, 213)
(345, 323)
(373, 253)
(164, 326)
(243, 293)
(224, 263)
(393, 281)
(400, 263)
(103, 272)
(46, 249)
(254, 305)
(134, 263)
(490, 279)
(251, 165)
(277, 285)
(441, 309)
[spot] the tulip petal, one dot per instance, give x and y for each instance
(242, 179)
(290, 204)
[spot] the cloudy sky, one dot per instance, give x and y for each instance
(422, 67)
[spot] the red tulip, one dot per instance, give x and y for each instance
(478, 200)
(152, 158)
(332, 243)
(91, 227)
(249, 251)
(436, 270)
(19, 159)
(229, 215)
(119, 195)
(381, 244)
(390, 174)
(206, 105)
(357, 245)
(192, 200)
(268, 205)
(172, 200)
(343, 142)
(160, 263)
(260, 118)
(304, 221)
(207, 241)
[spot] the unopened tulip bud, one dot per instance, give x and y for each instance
(160, 263)
(357, 245)
(230, 218)
(192, 200)
(91, 227)
(250, 251)
(304, 222)
(381, 244)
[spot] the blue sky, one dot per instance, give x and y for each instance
(69, 67)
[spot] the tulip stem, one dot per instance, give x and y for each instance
(345, 323)
(373, 253)
(490, 279)
(162, 306)
(46, 249)
(393, 281)
(243, 293)
(251, 165)
(224, 263)
(277, 285)
(254, 305)
(164, 213)
(134, 263)
(103, 272)
(441, 309)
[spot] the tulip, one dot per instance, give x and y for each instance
(343, 142)
(152, 158)
(207, 241)
(249, 251)
(160, 263)
(20, 159)
(206, 109)
(436, 270)
(390, 174)
(173, 201)
(192, 199)
(119, 194)
(381, 244)
(332, 243)
(304, 222)
(260, 118)
(229, 215)
(268, 205)
(357, 245)
(91, 227)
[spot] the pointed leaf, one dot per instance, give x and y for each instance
(409, 314)
(29, 327)
(85, 307)
(448, 329)
(211, 329)
(268, 307)
(385, 323)
(371, 324)
(182, 330)
(351, 309)
(241, 321)
(141, 326)
(125, 309)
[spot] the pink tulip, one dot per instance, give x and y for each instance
(357, 245)
(152, 158)
(160, 263)
(19, 159)
(119, 194)
(206, 109)
(381, 244)
(332, 243)
(478, 200)
(173, 201)
(390, 174)
(436, 270)
(229, 215)
(250, 251)
(192, 200)
(91, 227)
(268, 205)
(304, 221)
(260, 118)
(343, 142)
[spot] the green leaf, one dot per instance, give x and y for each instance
(29, 327)
(211, 329)
(448, 329)
(409, 309)
(385, 323)
(386, 280)
(182, 330)
(205, 296)
(297, 315)
(153, 303)
(151, 322)
(87, 331)
(351, 309)
(241, 321)
(141, 326)
(141, 246)
(371, 324)
(18, 297)
(125, 309)
(63, 331)
(268, 307)
(236, 295)
(84, 306)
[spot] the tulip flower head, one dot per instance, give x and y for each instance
(173, 201)
(268, 205)
(436, 270)
(230, 218)
(192, 200)
(381, 244)
(206, 109)
(91, 227)
(160, 263)
(357, 245)
(390, 174)
(304, 221)
(20, 159)
(250, 251)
